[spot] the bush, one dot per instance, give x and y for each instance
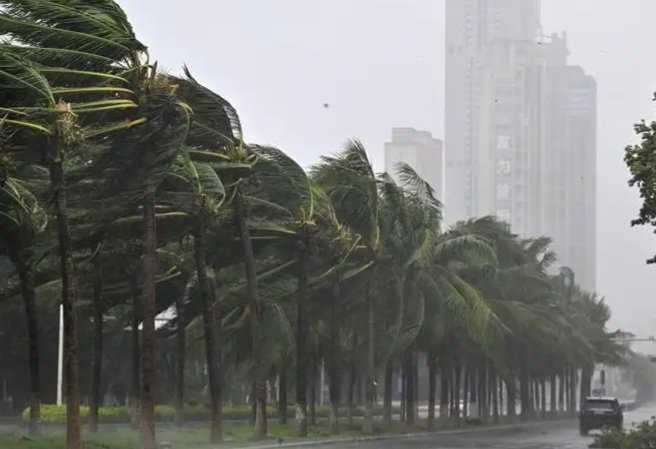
(610, 439)
(113, 414)
(641, 437)
(56, 414)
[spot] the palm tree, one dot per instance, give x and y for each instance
(196, 190)
(351, 183)
(72, 46)
(215, 136)
(288, 193)
(21, 221)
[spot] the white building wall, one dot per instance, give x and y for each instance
(511, 99)
(421, 151)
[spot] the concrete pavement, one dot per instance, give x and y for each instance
(548, 435)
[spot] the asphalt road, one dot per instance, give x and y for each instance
(557, 435)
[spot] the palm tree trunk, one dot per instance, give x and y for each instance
(181, 351)
(408, 360)
(97, 350)
(572, 385)
(334, 374)
(359, 397)
(568, 396)
(432, 389)
(457, 390)
(301, 339)
(282, 393)
(71, 364)
(561, 392)
(444, 389)
(472, 400)
(136, 351)
(543, 396)
(465, 393)
(524, 394)
(389, 388)
(500, 387)
(535, 398)
(352, 380)
(452, 394)
(26, 277)
(212, 354)
(253, 404)
(511, 388)
(482, 392)
(149, 310)
(415, 377)
(404, 390)
(256, 321)
(368, 425)
(494, 390)
(552, 393)
(312, 390)
(586, 382)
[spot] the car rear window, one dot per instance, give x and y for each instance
(600, 405)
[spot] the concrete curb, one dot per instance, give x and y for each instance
(400, 436)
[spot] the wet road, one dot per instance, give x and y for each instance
(557, 435)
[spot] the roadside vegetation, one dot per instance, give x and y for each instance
(199, 269)
(642, 436)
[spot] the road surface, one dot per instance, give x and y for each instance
(557, 435)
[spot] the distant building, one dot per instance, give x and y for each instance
(569, 171)
(421, 151)
(520, 128)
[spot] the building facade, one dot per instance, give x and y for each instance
(421, 151)
(569, 174)
(520, 128)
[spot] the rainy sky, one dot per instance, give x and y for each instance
(378, 64)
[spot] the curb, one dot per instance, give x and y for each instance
(400, 436)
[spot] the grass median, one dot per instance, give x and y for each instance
(197, 437)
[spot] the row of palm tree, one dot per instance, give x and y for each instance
(132, 191)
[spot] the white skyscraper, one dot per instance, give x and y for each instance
(520, 127)
(421, 151)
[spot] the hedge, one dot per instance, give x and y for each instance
(56, 414)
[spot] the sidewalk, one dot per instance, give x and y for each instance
(400, 436)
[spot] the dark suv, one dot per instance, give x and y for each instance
(597, 413)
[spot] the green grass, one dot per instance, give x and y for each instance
(186, 438)
(56, 414)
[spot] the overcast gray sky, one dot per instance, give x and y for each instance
(379, 64)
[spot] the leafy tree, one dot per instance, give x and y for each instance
(641, 161)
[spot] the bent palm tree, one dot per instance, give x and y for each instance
(350, 182)
(21, 220)
(79, 45)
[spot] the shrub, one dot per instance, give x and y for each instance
(113, 414)
(610, 439)
(642, 436)
(56, 414)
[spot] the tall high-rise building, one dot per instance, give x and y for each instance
(569, 173)
(520, 126)
(421, 151)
